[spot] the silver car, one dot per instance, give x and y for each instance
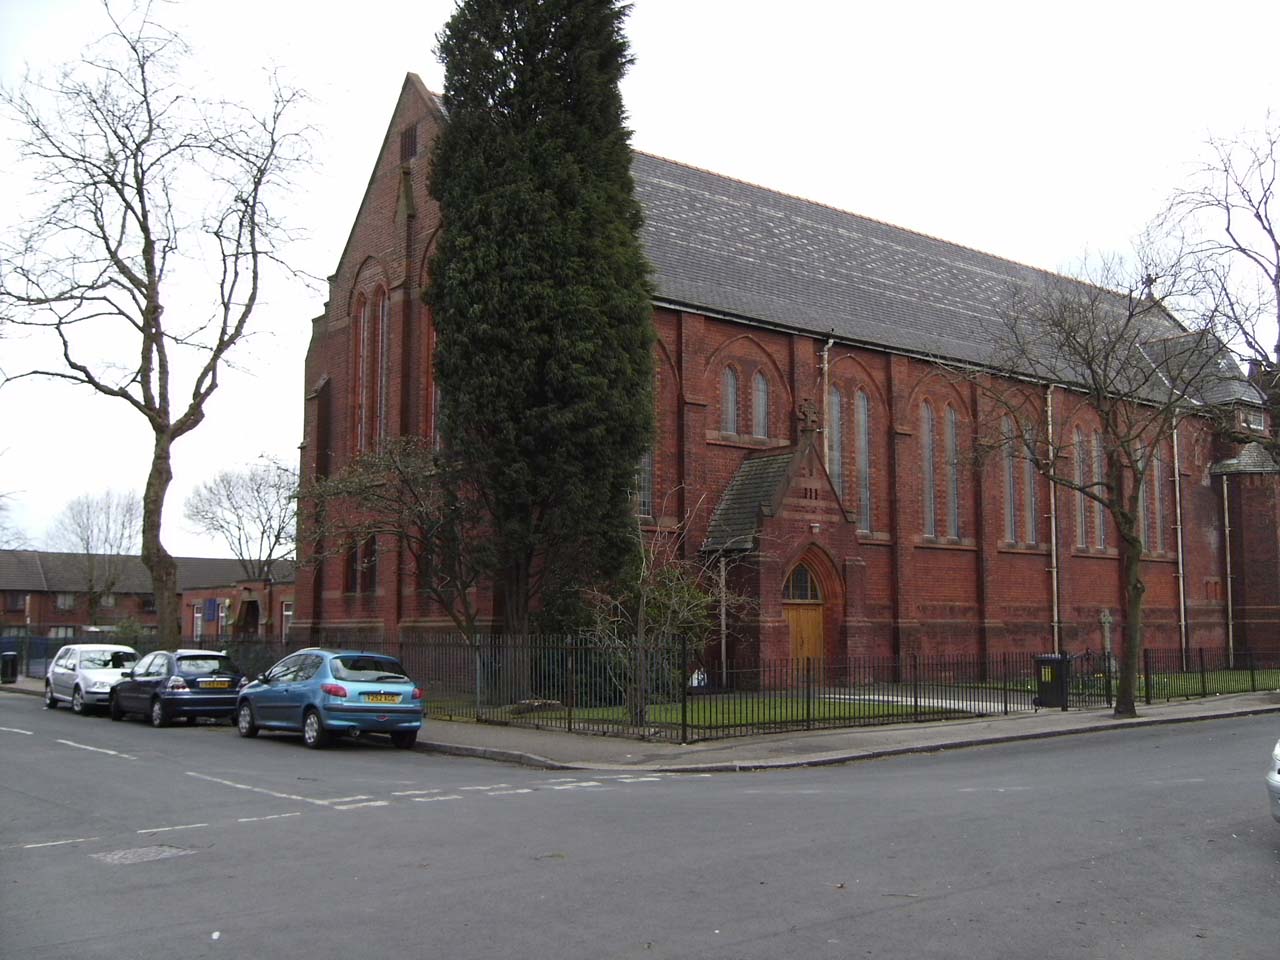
(1273, 781)
(82, 674)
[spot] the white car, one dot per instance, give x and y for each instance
(82, 674)
(1273, 781)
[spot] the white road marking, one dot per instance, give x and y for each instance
(638, 779)
(185, 826)
(16, 730)
(82, 746)
(492, 786)
(370, 803)
(992, 789)
(411, 793)
(562, 780)
(274, 816)
(580, 783)
(264, 790)
(359, 796)
(507, 793)
(56, 843)
(447, 796)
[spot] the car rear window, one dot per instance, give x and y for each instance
(106, 659)
(361, 667)
(202, 666)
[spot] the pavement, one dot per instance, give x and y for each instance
(556, 750)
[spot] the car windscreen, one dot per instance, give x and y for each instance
(106, 659)
(204, 666)
(358, 667)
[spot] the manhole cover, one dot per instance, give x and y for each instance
(141, 854)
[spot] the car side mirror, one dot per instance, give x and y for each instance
(126, 673)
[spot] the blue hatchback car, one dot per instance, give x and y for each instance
(328, 693)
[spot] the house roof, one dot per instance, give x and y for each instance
(1252, 458)
(750, 493)
(42, 571)
(740, 250)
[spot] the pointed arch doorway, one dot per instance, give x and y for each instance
(802, 607)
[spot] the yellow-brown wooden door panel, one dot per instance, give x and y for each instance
(805, 621)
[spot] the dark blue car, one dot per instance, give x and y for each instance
(326, 693)
(167, 685)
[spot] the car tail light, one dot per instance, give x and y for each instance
(417, 693)
(334, 689)
(176, 683)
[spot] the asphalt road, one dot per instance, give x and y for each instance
(117, 840)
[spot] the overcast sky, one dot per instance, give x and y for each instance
(1038, 136)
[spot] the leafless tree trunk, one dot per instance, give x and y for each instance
(142, 174)
(254, 511)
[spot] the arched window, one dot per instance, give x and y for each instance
(1029, 475)
(1082, 518)
(928, 494)
(359, 382)
(863, 454)
(759, 405)
(1010, 451)
(801, 586)
(835, 439)
(1160, 501)
(953, 475)
(376, 372)
(729, 401)
(384, 362)
(1099, 478)
(1144, 521)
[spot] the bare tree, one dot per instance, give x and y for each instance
(1112, 356)
(254, 511)
(1226, 217)
(11, 538)
(141, 174)
(102, 532)
(405, 491)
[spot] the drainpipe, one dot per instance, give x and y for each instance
(1226, 533)
(1053, 525)
(1182, 580)
(826, 398)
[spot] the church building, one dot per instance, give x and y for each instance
(812, 439)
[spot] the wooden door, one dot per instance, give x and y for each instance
(805, 621)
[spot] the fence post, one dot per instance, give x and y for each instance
(684, 688)
(1253, 680)
(476, 645)
(1146, 672)
(571, 695)
(808, 693)
(1204, 690)
(915, 686)
(1004, 680)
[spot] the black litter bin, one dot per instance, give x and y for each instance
(1052, 675)
(8, 667)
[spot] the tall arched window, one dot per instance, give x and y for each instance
(835, 439)
(863, 454)
(359, 382)
(644, 484)
(729, 401)
(1082, 518)
(1010, 480)
(384, 362)
(1099, 478)
(1030, 500)
(929, 493)
(1160, 501)
(759, 405)
(953, 475)
(1144, 521)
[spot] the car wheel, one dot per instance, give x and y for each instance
(114, 708)
(245, 722)
(159, 718)
(404, 739)
(77, 703)
(50, 701)
(314, 734)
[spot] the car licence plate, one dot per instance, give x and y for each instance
(215, 685)
(382, 698)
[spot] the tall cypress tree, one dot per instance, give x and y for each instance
(539, 289)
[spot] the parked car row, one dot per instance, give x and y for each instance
(319, 693)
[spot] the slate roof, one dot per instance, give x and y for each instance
(41, 571)
(1253, 458)
(743, 251)
(752, 489)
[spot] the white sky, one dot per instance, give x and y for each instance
(1038, 136)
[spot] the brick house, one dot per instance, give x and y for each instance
(48, 594)
(806, 435)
